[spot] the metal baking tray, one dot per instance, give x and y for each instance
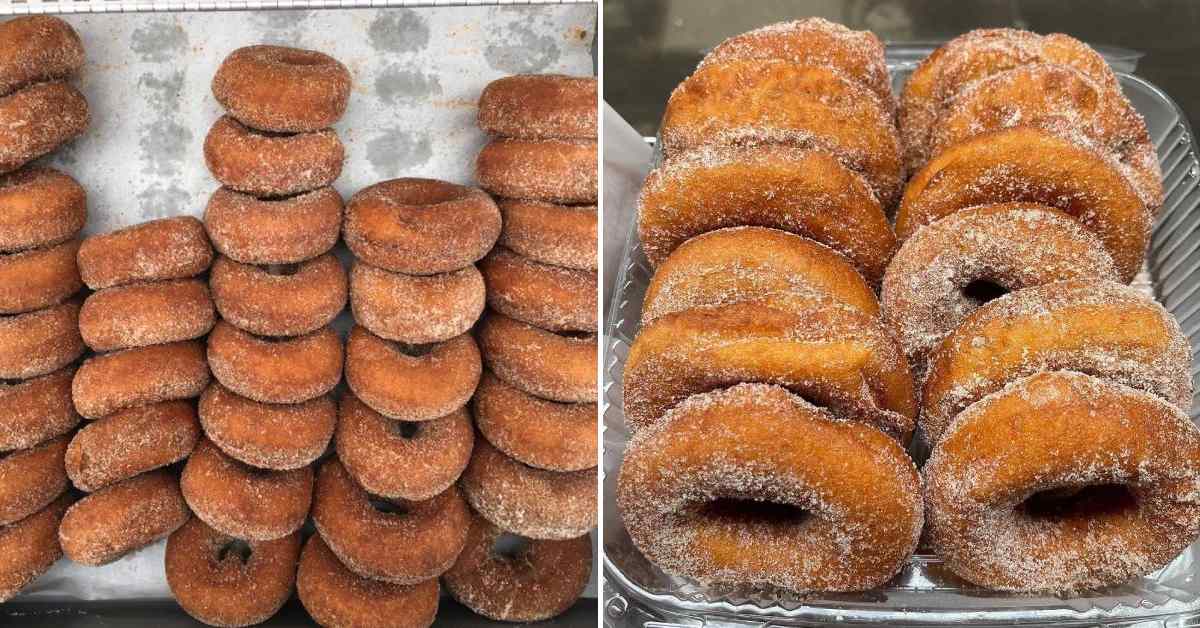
(924, 593)
(29, 7)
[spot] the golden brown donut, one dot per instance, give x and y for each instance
(537, 432)
(38, 119)
(39, 342)
(275, 370)
(29, 547)
(288, 300)
(562, 235)
(287, 90)
(273, 231)
(118, 519)
(130, 442)
(128, 378)
(243, 501)
(157, 250)
(266, 164)
(416, 309)
(143, 314)
(224, 581)
(267, 435)
(555, 171)
(412, 383)
(539, 106)
(402, 459)
(421, 226)
(39, 207)
(401, 542)
(550, 297)
(38, 278)
(31, 479)
(542, 581)
(37, 48)
(561, 367)
(35, 410)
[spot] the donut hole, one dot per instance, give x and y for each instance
(510, 546)
(982, 291)
(387, 507)
(282, 270)
(740, 511)
(575, 335)
(298, 58)
(414, 351)
(268, 134)
(406, 429)
(9, 382)
(236, 548)
(1079, 502)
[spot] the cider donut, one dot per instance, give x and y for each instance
(281, 370)
(1101, 328)
(542, 581)
(35, 49)
(555, 171)
(31, 479)
(123, 517)
(559, 367)
(1097, 485)
(550, 297)
(224, 581)
(35, 410)
(286, 90)
(336, 596)
(131, 442)
(267, 435)
(793, 498)
(561, 235)
(128, 378)
(143, 314)
(531, 502)
(39, 207)
(38, 119)
(539, 106)
(266, 164)
(40, 342)
(738, 264)
(29, 547)
(412, 383)
(538, 432)
(416, 309)
(243, 501)
(402, 459)
(273, 231)
(288, 300)
(421, 226)
(802, 191)
(38, 278)
(401, 542)
(157, 250)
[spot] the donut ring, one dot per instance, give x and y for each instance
(738, 264)
(1102, 328)
(31, 479)
(1096, 488)
(128, 378)
(539, 106)
(263, 164)
(560, 235)
(550, 297)
(146, 314)
(806, 192)
(407, 543)
(38, 278)
(688, 486)
(117, 519)
(269, 436)
(39, 207)
(223, 581)
(35, 410)
(286, 90)
(555, 171)
(243, 501)
(336, 596)
(158, 250)
(421, 226)
(285, 370)
(416, 309)
(40, 342)
(131, 442)
(410, 383)
(541, 582)
(287, 301)
(273, 231)
(37, 48)
(38, 119)
(552, 366)
(537, 432)
(402, 459)
(29, 547)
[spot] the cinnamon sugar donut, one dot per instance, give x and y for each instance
(267, 435)
(130, 442)
(412, 383)
(121, 518)
(39, 342)
(35, 410)
(794, 498)
(555, 171)
(31, 479)
(38, 278)
(550, 297)
(282, 370)
(157, 250)
(421, 226)
(39, 207)
(29, 547)
(552, 366)
(542, 581)
(224, 581)
(37, 48)
(402, 459)
(562, 235)
(291, 300)
(539, 106)
(266, 164)
(802, 191)
(537, 432)
(287, 90)
(273, 231)
(401, 542)
(128, 378)
(416, 309)
(143, 314)
(38, 119)
(243, 501)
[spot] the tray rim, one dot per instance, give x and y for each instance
(72, 7)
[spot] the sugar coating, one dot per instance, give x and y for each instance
(35, 410)
(130, 442)
(416, 309)
(37, 48)
(140, 314)
(38, 278)
(539, 106)
(562, 235)
(30, 546)
(121, 518)
(272, 165)
(538, 432)
(38, 119)
(550, 297)
(285, 370)
(540, 362)
(31, 479)
(41, 207)
(281, 89)
(39, 342)
(267, 435)
(554, 171)
(157, 250)
(289, 303)
(273, 231)
(127, 378)
(436, 381)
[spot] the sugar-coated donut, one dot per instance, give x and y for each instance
(1097, 485)
(267, 435)
(273, 231)
(411, 460)
(540, 362)
(38, 119)
(151, 313)
(562, 235)
(37, 48)
(39, 342)
(224, 581)
(118, 519)
(335, 596)
(412, 383)
(555, 171)
(281, 89)
(39, 207)
(265, 164)
(167, 248)
(550, 297)
(243, 501)
(31, 479)
(416, 309)
(539, 106)
(29, 547)
(421, 226)
(291, 300)
(542, 581)
(134, 377)
(537, 432)
(402, 542)
(275, 370)
(38, 278)
(35, 410)
(130, 442)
